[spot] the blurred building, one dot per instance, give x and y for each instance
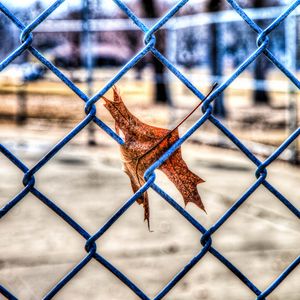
(115, 47)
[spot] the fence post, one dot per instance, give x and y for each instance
(217, 65)
(87, 57)
(171, 54)
(291, 61)
(21, 115)
(171, 44)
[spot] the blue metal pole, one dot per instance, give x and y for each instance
(87, 56)
(291, 57)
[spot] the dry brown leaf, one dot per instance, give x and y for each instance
(144, 144)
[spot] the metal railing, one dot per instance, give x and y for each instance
(206, 234)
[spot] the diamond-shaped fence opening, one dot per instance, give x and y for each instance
(206, 235)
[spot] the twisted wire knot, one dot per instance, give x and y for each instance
(28, 179)
(207, 107)
(262, 40)
(261, 172)
(90, 245)
(26, 36)
(90, 108)
(206, 239)
(150, 39)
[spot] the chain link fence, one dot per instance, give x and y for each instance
(26, 39)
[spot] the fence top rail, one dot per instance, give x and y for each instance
(179, 22)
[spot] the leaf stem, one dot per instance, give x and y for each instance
(179, 124)
(186, 117)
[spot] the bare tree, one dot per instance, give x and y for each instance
(260, 94)
(215, 54)
(162, 94)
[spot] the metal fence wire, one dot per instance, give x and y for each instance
(26, 39)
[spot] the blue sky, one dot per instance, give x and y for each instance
(25, 3)
(28, 2)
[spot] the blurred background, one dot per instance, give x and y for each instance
(90, 41)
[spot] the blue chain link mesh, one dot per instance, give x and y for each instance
(26, 39)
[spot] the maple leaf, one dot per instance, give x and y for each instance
(144, 144)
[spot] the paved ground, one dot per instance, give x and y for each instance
(37, 248)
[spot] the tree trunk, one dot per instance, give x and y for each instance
(260, 93)
(162, 94)
(216, 56)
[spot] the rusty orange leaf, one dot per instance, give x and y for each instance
(144, 144)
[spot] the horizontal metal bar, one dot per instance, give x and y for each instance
(176, 23)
